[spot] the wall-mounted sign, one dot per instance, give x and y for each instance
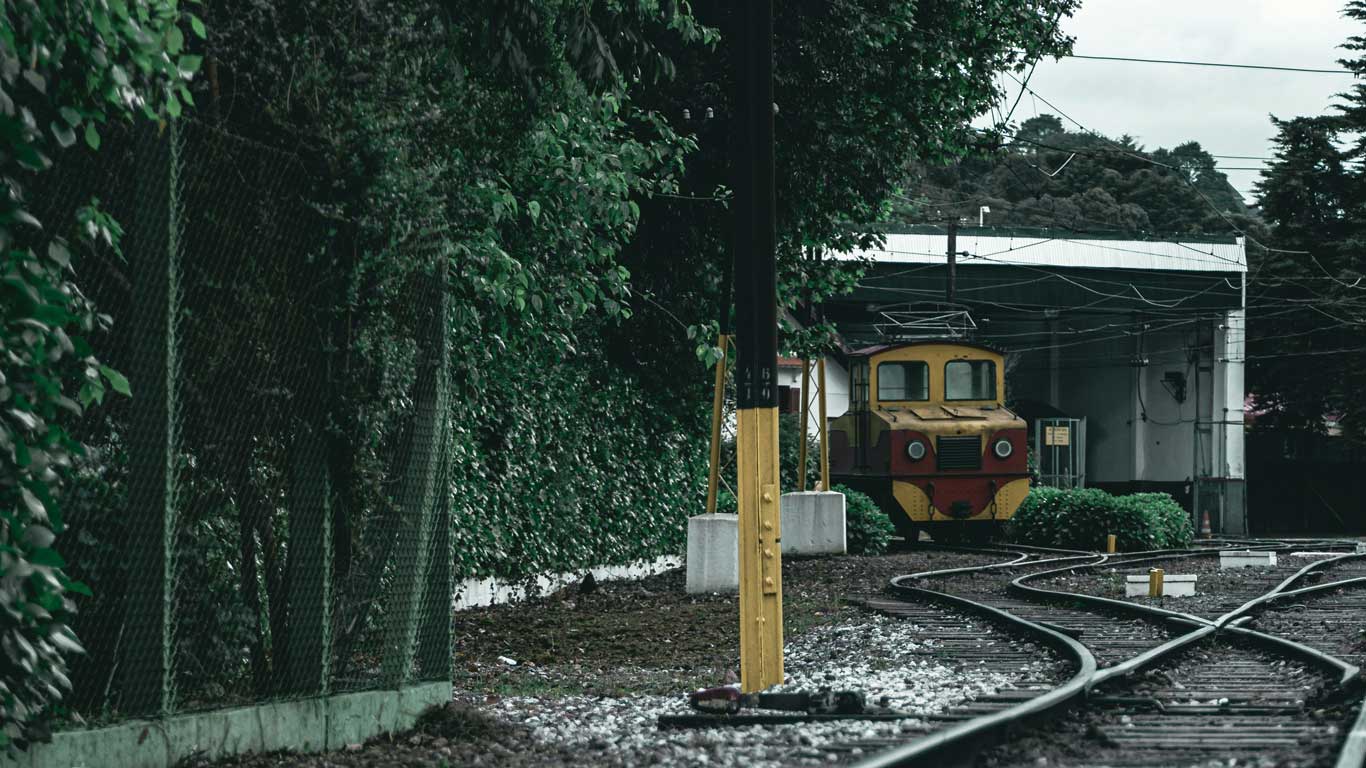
(1057, 436)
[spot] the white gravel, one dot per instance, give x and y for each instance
(884, 657)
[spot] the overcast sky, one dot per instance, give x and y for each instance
(1163, 105)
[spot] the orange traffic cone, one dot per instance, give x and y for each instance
(1205, 531)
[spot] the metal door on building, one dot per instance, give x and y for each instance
(1060, 452)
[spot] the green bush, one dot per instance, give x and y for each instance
(1173, 523)
(867, 528)
(1081, 519)
(726, 503)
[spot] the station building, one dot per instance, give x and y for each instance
(1124, 355)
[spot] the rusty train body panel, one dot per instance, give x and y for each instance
(928, 436)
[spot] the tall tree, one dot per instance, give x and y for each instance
(1309, 367)
(1046, 176)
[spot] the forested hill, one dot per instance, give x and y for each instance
(1042, 175)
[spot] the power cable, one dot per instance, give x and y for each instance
(1219, 64)
(1160, 164)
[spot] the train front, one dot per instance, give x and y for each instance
(929, 437)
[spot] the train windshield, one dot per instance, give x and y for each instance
(969, 380)
(903, 381)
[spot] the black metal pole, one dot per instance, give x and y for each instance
(755, 276)
(953, 261)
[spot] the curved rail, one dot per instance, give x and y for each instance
(992, 726)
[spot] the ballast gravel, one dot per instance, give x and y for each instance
(580, 679)
(881, 656)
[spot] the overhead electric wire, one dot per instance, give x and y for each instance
(1158, 163)
(1219, 64)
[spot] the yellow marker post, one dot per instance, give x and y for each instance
(1154, 582)
(1110, 544)
(825, 447)
(756, 350)
(717, 402)
(806, 420)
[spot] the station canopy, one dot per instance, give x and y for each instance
(1018, 285)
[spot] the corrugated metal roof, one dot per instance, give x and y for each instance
(1061, 250)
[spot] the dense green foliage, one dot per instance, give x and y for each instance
(868, 530)
(862, 87)
(1308, 369)
(65, 67)
(531, 160)
(1082, 518)
(1047, 176)
(1172, 523)
(585, 472)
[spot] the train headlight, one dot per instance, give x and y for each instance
(1003, 449)
(915, 450)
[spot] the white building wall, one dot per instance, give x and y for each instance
(836, 385)
(1229, 362)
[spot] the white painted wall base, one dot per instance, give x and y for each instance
(1246, 560)
(813, 523)
(713, 554)
(1173, 585)
(478, 593)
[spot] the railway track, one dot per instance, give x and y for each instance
(1149, 685)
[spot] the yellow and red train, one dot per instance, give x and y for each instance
(929, 438)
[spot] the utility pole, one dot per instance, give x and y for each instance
(756, 365)
(953, 261)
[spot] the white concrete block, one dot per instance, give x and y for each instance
(1246, 559)
(813, 523)
(1361, 548)
(1173, 585)
(713, 554)
(478, 593)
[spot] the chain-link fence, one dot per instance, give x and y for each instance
(266, 517)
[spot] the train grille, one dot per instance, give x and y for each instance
(959, 452)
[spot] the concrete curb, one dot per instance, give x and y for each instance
(305, 725)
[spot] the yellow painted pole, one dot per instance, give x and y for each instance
(825, 447)
(806, 419)
(761, 563)
(756, 358)
(1110, 544)
(718, 399)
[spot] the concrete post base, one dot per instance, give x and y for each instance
(713, 554)
(1173, 585)
(813, 523)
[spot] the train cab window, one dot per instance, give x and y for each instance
(903, 381)
(969, 380)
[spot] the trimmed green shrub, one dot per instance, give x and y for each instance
(1173, 523)
(868, 531)
(1081, 519)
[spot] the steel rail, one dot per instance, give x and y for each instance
(1284, 585)
(1349, 674)
(1353, 752)
(994, 725)
(1023, 559)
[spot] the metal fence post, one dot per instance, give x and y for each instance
(308, 641)
(152, 248)
(435, 644)
(418, 494)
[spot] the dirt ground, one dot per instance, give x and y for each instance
(619, 639)
(649, 636)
